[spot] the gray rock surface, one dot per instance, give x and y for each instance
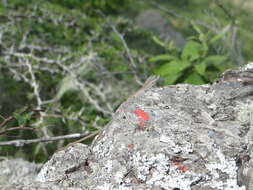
(13, 172)
(179, 137)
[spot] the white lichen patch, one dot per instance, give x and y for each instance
(153, 95)
(165, 139)
(109, 166)
(107, 186)
(177, 181)
(143, 163)
(223, 166)
(184, 147)
(119, 177)
(157, 170)
(245, 113)
(104, 149)
(249, 66)
(41, 177)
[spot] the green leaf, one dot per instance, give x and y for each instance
(202, 36)
(171, 79)
(191, 38)
(200, 68)
(172, 71)
(116, 38)
(164, 57)
(194, 78)
(191, 51)
(220, 35)
(171, 46)
(37, 149)
(172, 67)
(196, 28)
(22, 119)
(120, 68)
(216, 38)
(214, 59)
(158, 41)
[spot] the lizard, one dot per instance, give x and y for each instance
(149, 83)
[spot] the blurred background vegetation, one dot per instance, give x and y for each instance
(66, 65)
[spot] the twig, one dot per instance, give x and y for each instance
(82, 139)
(133, 66)
(176, 15)
(22, 127)
(225, 11)
(10, 118)
(22, 142)
(84, 90)
(125, 46)
(6, 120)
(35, 85)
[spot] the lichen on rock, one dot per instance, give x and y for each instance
(175, 137)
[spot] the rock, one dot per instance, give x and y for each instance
(18, 171)
(182, 137)
(63, 164)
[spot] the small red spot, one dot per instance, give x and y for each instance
(180, 166)
(141, 124)
(176, 163)
(141, 114)
(183, 168)
(130, 146)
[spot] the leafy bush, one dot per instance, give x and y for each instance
(194, 64)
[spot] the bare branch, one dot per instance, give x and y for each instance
(21, 127)
(133, 66)
(10, 118)
(22, 142)
(82, 139)
(227, 13)
(6, 120)
(84, 90)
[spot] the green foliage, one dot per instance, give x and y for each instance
(93, 6)
(21, 117)
(194, 64)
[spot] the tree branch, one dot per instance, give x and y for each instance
(22, 142)
(6, 120)
(21, 127)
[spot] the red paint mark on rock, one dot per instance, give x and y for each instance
(142, 116)
(141, 124)
(180, 166)
(176, 163)
(183, 168)
(130, 146)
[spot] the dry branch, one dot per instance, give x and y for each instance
(22, 142)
